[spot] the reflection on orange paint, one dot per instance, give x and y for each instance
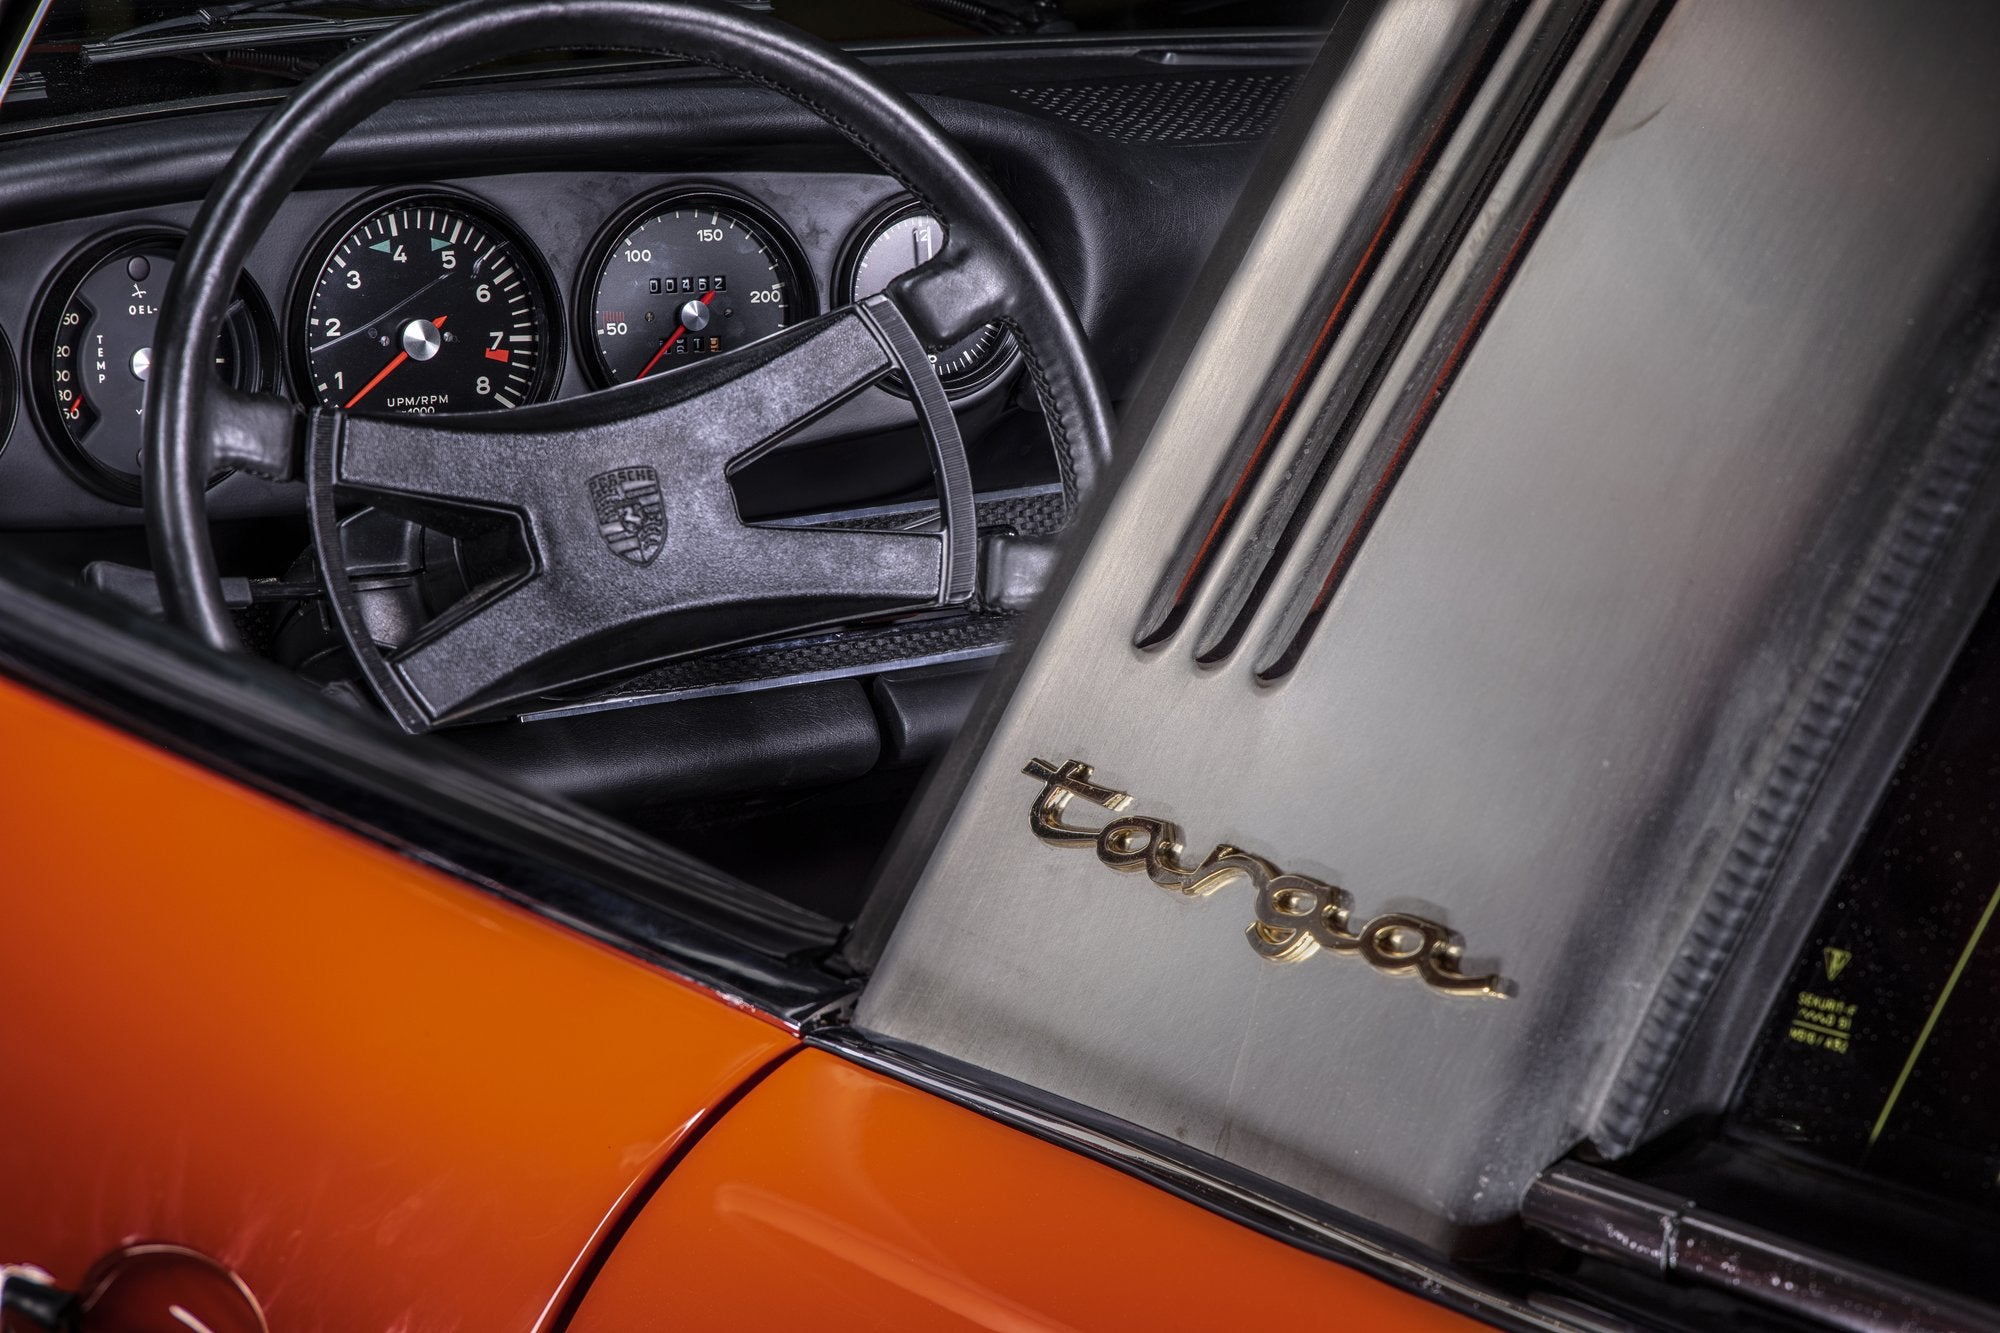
(386, 1099)
(832, 1198)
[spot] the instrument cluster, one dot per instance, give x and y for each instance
(439, 299)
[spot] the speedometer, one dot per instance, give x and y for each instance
(684, 277)
(422, 305)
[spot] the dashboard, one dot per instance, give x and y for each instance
(482, 248)
(455, 295)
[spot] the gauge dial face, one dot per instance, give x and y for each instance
(685, 278)
(905, 239)
(423, 306)
(93, 356)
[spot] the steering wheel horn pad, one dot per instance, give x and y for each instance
(622, 504)
(620, 500)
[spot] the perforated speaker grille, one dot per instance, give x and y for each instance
(1173, 110)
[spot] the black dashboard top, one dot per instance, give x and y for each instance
(1083, 135)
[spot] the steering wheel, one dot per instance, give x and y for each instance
(577, 608)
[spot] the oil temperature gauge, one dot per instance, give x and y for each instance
(92, 355)
(896, 239)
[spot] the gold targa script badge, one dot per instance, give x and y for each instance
(1296, 916)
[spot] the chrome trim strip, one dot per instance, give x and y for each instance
(1414, 260)
(1640, 1227)
(20, 51)
(1206, 1181)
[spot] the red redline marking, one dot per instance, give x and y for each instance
(498, 354)
(383, 373)
(672, 338)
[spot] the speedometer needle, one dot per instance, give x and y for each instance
(384, 372)
(672, 338)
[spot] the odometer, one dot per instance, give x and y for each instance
(424, 305)
(682, 278)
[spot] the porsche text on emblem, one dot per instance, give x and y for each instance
(630, 512)
(1296, 916)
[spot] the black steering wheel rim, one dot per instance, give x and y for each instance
(989, 270)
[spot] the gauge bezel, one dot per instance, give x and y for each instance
(798, 273)
(337, 228)
(1004, 358)
(10, 390)
(257, 336)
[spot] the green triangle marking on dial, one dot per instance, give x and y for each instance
(383, 246)
(439, 243)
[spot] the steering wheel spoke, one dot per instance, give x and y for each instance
(538, 632)
(260, 433)
(958, 292)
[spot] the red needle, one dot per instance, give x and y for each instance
(672, 338)
(383, 373)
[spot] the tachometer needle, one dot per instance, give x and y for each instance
(384, 372)
(672, 338)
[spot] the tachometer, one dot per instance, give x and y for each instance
(91, 355)
(683, 277)
(425, 304)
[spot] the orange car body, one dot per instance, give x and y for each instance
(390, 1100)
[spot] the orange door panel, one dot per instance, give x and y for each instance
(832, 1198)
(389, 1100)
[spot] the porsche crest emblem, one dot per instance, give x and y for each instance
(1295, 917)
(631, 513)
